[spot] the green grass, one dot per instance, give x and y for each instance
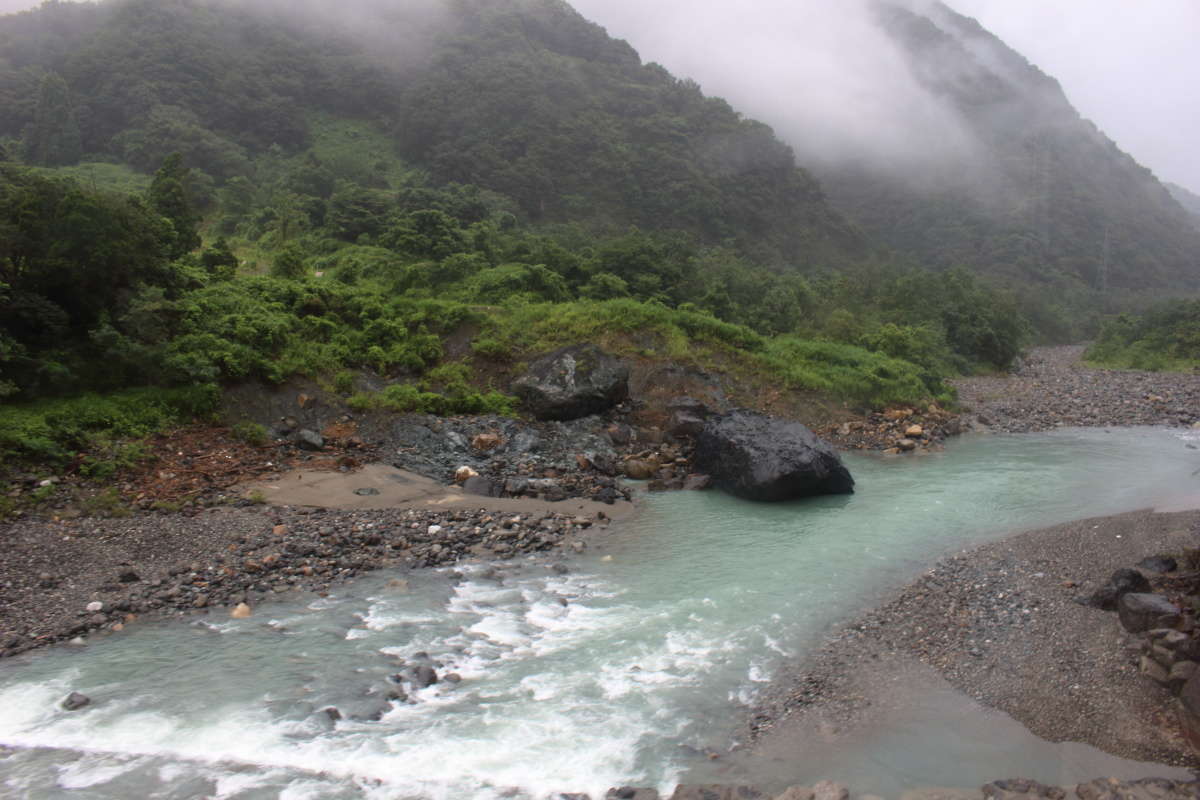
(403, 398)
(52, 431)
(357, 150)
(629, 327)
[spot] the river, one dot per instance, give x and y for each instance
(624, 670)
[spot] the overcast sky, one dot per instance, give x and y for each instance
(1131, 67)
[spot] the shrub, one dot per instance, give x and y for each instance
(251, 433)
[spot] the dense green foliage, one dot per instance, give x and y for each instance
(524, 97)
(1165, 338)
(315, 210)
(84, 426)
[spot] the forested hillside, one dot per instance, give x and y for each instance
(524, 98)
(1189, 200)
(199, 193)
(1043, 196)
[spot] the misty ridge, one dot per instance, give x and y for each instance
(903, 93)
(918, 126)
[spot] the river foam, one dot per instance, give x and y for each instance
(622, 671)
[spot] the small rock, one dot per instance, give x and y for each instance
(906, 445)
(94, 606)
(1180, 674)
(639, 469)
(75, 701)
(914, 432)
(486, 441)
(796, 793)
(480, 486)
(128, 576)
(310, 440)
(1021, 789)
(423, 676)
(463, 473)
(716, 792)
(1159, 564)
(240, 611)
(1153, 670)
(631, 793)
(1140, 612)
(1120, 583)
(829, 790)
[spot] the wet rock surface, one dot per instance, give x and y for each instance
(758, 457)
(512, 458)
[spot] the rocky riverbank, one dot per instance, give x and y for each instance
(1004, 624)
(64, 579)
(1053, 388)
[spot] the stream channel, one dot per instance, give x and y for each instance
(622, 671)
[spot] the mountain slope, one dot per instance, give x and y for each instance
(1040, 196)
(522, 97)
(1189, 200)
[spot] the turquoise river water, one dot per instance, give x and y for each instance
(671, 624)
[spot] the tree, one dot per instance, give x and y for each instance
(53, 138)
(219, 261)
(289, 263)
(168, 195)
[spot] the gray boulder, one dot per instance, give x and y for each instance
(632, 793)
(75, 701)
(1141, 612)
(758, 457)
(310, 440)
(573, 382)
(1121, 583)
(716, 792)
(1159, 564)
(480, 486)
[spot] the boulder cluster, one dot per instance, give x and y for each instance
(1165, 624)
(583, 440)
(898, 431)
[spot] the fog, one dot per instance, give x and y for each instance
(824, 76)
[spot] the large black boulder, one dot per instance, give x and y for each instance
(758, 457)
(573, 382)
